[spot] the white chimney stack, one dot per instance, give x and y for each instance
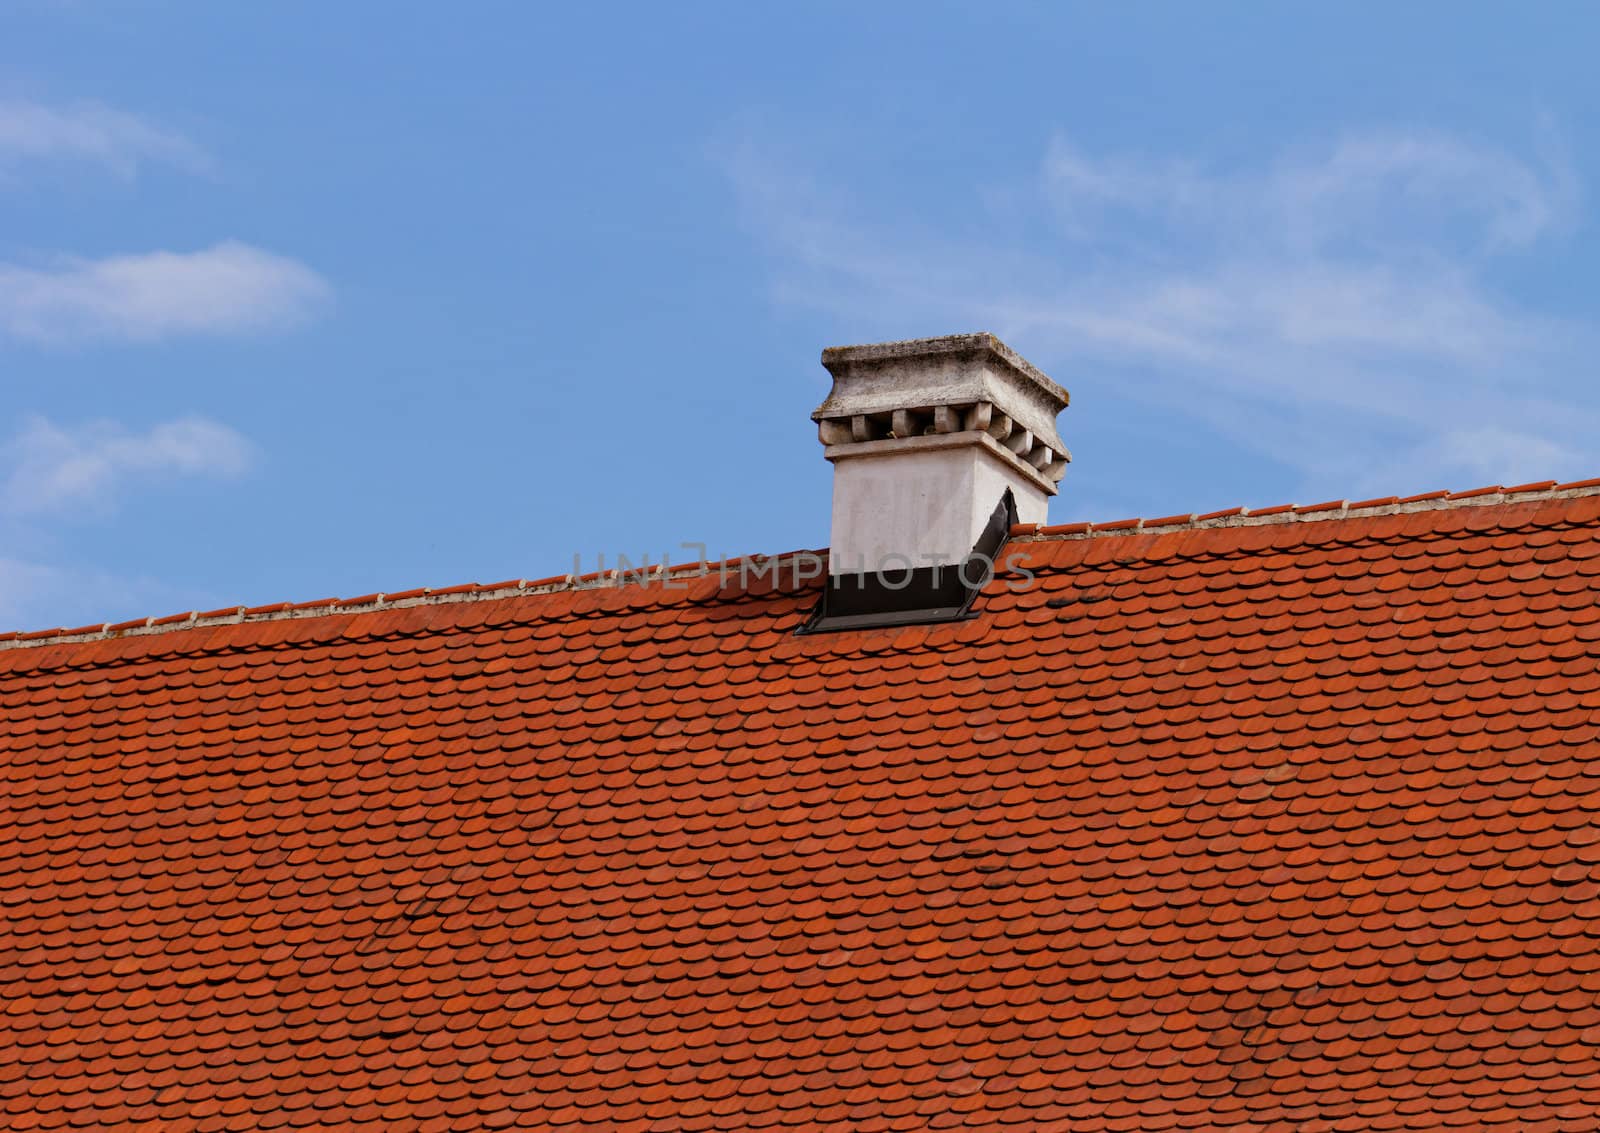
(926, 437)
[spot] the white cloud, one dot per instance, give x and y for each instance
(48, 469)
(1486, 454)
(1380, 179)
(1333, 308)
(89, 131)
(1422, 186)
(37, 594)
(49, 473)
(228, 288)
(21, 585)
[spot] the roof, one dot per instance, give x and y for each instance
(1283, 821)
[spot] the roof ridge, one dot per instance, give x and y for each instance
(643, 575)
(1332, 509)
(649, 574)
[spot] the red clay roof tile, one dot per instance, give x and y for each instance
(1281, 825)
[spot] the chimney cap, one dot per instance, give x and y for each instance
(961, 389)
(837, 358)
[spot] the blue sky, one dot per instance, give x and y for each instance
(301, 300)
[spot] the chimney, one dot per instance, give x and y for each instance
(938, 445)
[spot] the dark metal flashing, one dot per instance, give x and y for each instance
(923, 596)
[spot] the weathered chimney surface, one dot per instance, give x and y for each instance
(926, 437)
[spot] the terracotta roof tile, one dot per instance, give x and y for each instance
(1226, 825)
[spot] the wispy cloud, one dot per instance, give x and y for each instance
(1434, 188)
(229, 288)
(51, 472)
(21, 584)
(1333, 308)
(90, 132)
(37, 594)
(47, 469)
(26, 586)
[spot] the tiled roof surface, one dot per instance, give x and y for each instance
(1289, 826)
